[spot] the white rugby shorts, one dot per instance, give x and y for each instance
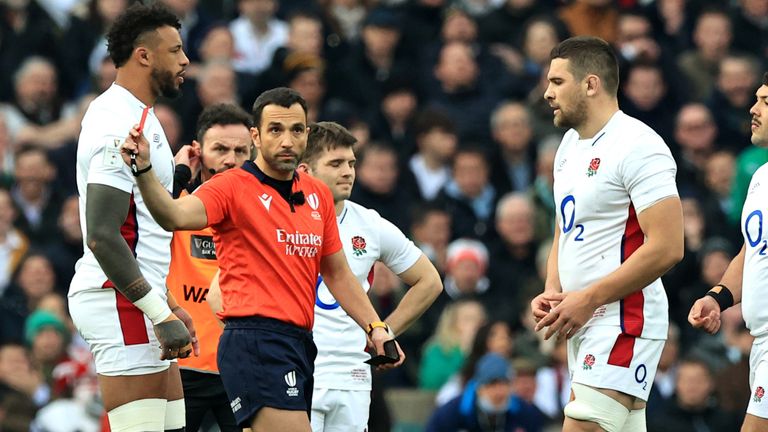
(121, 337)
(604, 357)
(340, 410)
(758, 378)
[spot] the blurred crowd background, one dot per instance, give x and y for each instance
(456, 147)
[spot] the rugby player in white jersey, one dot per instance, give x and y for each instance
(619, 227)
(342, 388)
(746, 278)
(117, 297)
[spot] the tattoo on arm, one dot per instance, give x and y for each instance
(106, 210)
(136, 289)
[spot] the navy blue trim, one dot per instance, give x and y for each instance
(597, 139)
(343, 215)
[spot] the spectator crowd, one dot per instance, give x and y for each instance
(455, 147)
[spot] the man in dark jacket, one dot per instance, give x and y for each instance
(487, 404)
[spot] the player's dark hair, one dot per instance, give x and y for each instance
(130, 28)
(326, 136)
(224, 114)
(281, 96)
(590, 55)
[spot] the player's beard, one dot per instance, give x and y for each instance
(164, 83)
(575, 117)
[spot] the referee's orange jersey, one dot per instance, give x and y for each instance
(193, 265)
(269, 249)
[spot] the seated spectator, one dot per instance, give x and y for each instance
(37, 115)
(513, 161)
(394, 121)
(22, 389)
(712, 38)
(36, 196)
(732, 98)
(512, 268)
(68, 245)
(445, 351)
(694, 403)
(48, 337)
(377, 185)
(461, 93)
(469, 196)
(492, 337)
(257, 35)
(487, 403)
(34, 278)
(436, 142)
(431, 231)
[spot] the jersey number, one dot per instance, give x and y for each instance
(569, 204)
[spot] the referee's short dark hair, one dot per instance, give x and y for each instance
(325, 136)
(223, 114)
(281, 96)
(590, 55)
(130, 28)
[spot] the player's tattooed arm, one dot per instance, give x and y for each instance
(105, 212)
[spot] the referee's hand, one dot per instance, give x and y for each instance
(174, 338)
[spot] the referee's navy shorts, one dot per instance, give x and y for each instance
(265, 362)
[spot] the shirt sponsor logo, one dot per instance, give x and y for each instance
(202, 247)
(290, 379)
(300, 244)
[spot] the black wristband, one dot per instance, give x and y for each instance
(724, 298)
(139, 172)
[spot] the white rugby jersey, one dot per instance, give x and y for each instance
(366, 238)
(601, 184)
(754, 302)
(104, 128)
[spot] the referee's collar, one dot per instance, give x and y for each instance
(254, 169)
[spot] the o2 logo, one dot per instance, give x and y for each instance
(753, 230)
(568, 215)
(319, 303)
(641, 373)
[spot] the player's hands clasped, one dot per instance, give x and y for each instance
(377, 338)
(571, 313)
(175, 340)
(135, 143)
(705, 314)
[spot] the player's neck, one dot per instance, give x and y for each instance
(597, 118)
(339, 206)
(137, 84)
